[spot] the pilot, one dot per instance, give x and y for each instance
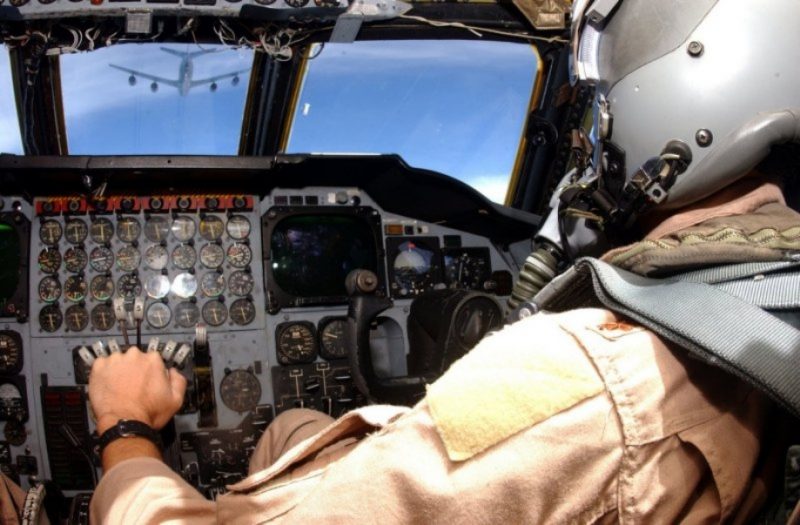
(582, 416)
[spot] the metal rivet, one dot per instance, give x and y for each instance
(704, 137)
(695, 48)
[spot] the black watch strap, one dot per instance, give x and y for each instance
(128, 428)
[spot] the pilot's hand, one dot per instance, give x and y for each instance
(134, 385)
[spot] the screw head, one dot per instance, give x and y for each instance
(703, 137)
(695, 48)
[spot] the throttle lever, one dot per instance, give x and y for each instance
(364, 307)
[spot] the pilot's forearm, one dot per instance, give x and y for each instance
(128, 448)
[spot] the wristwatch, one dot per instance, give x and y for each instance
(128, 428)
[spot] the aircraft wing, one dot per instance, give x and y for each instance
(154, 78)
(218, 77)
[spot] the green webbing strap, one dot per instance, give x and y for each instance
(710, 323)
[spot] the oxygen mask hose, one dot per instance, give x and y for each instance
(539, 269)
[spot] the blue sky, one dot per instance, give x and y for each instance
(456, 107)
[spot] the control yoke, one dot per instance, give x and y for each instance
(365, 305)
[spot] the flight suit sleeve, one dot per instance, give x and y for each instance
(145, 491)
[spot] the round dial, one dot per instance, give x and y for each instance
(10, 354)
(129, 286)
(184, 285)
(15, 433)
(211, 227)
(212, 255)
(101, 230)
(239, 255)
(76, 318)
(296, 343)
(49, 260)
(75, 259)
(184, 257)
(101, 259)
(474, 319)
(413, 269)
(101, 287)
(215, 313)
(49, 289)
(50, 318)
(240, 283)
(128, 229)
(102, 317)
(183, 228)
(331, 339)
(11, 405)
(158, 315)
(240, 391)
(212, 284)
(50, 232)
(157, 286)
(156, 228)
(242, 312)
(186, 314)
(75, 288)
(238, 227)
(128, 259)
(156, 257)
(297, 3)
(75, 231)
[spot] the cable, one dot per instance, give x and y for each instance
(478, 31)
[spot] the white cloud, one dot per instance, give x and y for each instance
(493, 187)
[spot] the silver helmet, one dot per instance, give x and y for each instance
(713, 84)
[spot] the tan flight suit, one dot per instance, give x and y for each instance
(578, 417)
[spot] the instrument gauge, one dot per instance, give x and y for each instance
(158, 315)
(128, 229)
(296, 342)
(239, 255)
(102, 317)
(240, 391)
(50, 318)
(157, 286)
(75, 231)
(129, 286)
(184, 257)
(128, 258)
(415, 267)
(15, 433)
(101, 287)
(186, 314)
(211, 227)
(212, 255)
(12, 405)
(101, 230)
(75, 288)
(156, 257)
(215, 313)
(49, 260)
(238, 227)
(49, 289)
(331, 338)
(10, 353)
(212, 284)
(183, 228)
(184, 285)
(156, 228)
(50, 232)
(240, 283)
(76, 318)
(75, 259)
(467, 268)
(243, 312)
(101, 259)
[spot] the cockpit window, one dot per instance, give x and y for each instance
(456, 107)
(140, 99)
(10, 140)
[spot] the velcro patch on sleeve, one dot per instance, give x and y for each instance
(511, 381)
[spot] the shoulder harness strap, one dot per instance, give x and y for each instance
(715, 314)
